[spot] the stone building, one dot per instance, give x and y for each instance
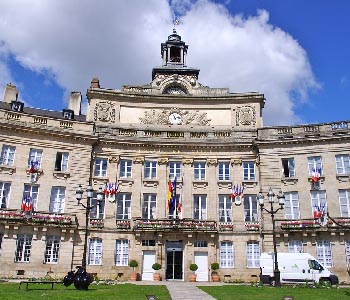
(207, 142)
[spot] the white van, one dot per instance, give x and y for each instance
(295, 268)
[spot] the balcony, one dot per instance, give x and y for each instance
(185, 225)
(311, 224)
(37, 218)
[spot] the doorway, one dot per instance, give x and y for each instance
(201, 259)
(174, 261)
(148, 259)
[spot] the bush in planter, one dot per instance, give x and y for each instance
(193, 267)
(214, 266)
(133, 264)
(156, 266)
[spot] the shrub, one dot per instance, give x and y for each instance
(215, 266)
(193, 267)
(156, 266)
(133, 264)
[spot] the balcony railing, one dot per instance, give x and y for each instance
(174, 224)
(311, 224)
(39, 218)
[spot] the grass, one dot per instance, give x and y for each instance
(9, 291)
(237, 292)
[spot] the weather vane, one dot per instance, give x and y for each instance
(175, 22)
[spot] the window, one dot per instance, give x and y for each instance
(125, 168)
(57, 199)
(150, 169)
(248, 170)
(295, 246)
(32, 191)
(8, 155)
(250, 208)
(315, 164)
(344, 199)
(148, 242)
(343, 164)
(291, 207)
(123, 206)
(253, 254)
(4, 194)
(1, 238)
(35, 155)
(318, 200)
(347, 251)
(149, 207)
(199, 170)
(200, 207)
(225, 208)
(95, 251)
(224, 170)
(226, 255)
(23, 247)
(52, 249)
(61, 163)
(200, 244)
(174, 170)
(288, 167)
(100, 167)
(121, 252)
(97, 212)
(324, 253)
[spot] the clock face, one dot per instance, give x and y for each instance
(175, 119)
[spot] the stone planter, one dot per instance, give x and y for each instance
(215, 277)
(193, 277)
(156, 276)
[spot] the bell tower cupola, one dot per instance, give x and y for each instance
(174, 51)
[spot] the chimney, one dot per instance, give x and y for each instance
(75, 102)
(95, 83)
(10, 93)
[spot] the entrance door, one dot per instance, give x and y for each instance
(201, 260)
(174, 261)
(148, 259)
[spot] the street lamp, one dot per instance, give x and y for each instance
(272, 211)
(81, 279)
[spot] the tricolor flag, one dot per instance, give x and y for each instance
(172, 205)
(27, 203)
(169, 194)
(237, 190)
(316, 174)
(34, 166)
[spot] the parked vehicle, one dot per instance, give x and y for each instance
(295, 268)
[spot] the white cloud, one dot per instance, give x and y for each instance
(119, 41)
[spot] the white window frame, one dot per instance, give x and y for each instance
(344, 203)
(288, 167)
(125, 170)
(227, 255)
(95, 252)
(23, 248)
(295, 246)
(251, 210)
(5, 189)
(149, 206)
(347, 251)
(100, 169)
(121, 256)
(291, 207)
(35, 155)
(8, 155)
(98, 210)
(224, 172)
(253, 254)
(249, 170)
(61, 162)
(315, 162)
(52, 249)
(124, 206)
(32, 190)
(225, 209)
(150, 169)
(324, 253)
(318, 198)
(57, 199)
(174, 170)
(199, 168)
(342, 164)
(200, 207)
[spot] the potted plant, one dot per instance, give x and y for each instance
(214, 274)
(193, 276)
(156, 275)
(133, 264)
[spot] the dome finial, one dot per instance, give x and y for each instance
(175, 22)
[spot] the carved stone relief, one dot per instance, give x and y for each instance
(104, 111)
(245, 115)
(161, 116)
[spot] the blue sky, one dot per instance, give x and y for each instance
(294, 51)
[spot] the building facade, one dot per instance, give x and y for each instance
(205, 146)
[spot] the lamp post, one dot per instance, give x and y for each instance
(272, 212)
(81, 279)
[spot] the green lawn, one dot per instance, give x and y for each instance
(228, 292)
(9, 291)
